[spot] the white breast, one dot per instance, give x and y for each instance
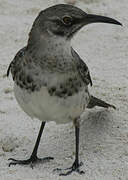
(44, 107)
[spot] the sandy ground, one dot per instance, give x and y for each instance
(104, 133)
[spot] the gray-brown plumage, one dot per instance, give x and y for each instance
(50, 79)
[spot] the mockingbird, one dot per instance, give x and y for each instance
(50, 79)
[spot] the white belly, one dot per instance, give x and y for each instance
(44, 107)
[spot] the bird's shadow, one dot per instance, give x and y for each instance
(96, 125)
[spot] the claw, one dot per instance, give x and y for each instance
(11, 159)
(74, 168)
(31, 161)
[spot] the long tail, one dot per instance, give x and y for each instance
(97, 102)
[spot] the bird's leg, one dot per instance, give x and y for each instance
(33, 158)
(76, 165)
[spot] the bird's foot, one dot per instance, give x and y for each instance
(32, 160)
(74, 168)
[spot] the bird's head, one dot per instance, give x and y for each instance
(65, 20)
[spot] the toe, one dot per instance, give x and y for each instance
(74, 168)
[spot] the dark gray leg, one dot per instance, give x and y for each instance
(76, 164)
(33, 158)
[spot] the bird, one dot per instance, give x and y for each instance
(50, 79)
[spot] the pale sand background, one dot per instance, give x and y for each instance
(104, 133)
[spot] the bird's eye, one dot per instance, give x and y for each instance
(67, 20)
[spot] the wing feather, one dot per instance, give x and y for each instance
(82, 67)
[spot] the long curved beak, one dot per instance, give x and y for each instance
(92, 18)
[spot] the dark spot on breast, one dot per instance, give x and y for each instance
(29, 79)
(69, 93)
(36, 73)
(20, 77)
(17, 82)
(26, 87)
(80, 85)
(86, 90)
(21, 86)
(23, 82)
(76, 90)
(70, 80)
(52, 90)
(59, 94)
(45, 84)
(61, 86)
(64, 91)
(33, 87)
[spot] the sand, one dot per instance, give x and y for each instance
(104, 133)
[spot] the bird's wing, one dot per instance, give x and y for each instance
(82, 68)
(15, 62)
(22, 77)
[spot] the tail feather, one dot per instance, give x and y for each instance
(97, 102)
